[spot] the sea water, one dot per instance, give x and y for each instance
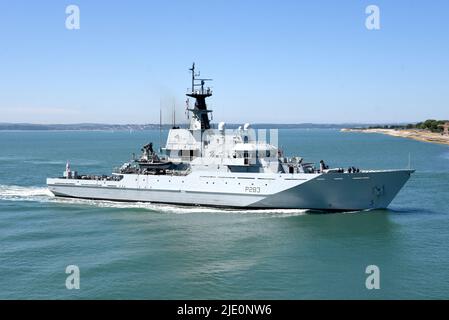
(152, 251)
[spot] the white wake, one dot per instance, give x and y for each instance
(23, 193)
(43, 195)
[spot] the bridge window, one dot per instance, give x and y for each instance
(245, 156)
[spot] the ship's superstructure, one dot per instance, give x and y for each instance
(232, 168)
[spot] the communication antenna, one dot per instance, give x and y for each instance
(160, 127)
(174, 114)
(409, 160)
(187, 108)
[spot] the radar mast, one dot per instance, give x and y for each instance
(200, 119)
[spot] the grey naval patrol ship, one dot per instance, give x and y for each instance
(231, 168)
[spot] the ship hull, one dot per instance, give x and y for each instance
(328, 192)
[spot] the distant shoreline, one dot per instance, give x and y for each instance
(142, 127)
(415, 134)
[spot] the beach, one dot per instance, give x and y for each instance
(415, 134)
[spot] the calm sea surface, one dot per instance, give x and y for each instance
(166, 252)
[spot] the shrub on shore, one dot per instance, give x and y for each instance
(430, 124)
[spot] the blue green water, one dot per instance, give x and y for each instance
(167, 252)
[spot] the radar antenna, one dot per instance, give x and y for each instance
(200, 93)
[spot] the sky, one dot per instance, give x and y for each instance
(271, 61)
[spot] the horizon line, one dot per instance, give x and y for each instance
(230, 123)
